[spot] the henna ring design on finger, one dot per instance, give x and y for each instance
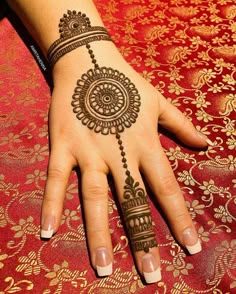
(107, 102)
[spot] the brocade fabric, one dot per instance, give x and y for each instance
(186, 49)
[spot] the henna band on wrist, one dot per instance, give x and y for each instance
(107, 102)
(76, 31)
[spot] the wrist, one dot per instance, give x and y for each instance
(78, 35)
(41, 18)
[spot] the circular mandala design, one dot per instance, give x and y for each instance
(106, 101)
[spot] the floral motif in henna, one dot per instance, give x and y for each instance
(107, 102)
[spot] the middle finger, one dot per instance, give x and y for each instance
(137, 216)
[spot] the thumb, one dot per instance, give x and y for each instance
(176, 122)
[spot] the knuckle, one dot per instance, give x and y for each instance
(98, 236)
(95, 232)
(180, 218)
(185, 124)
(93, 164)
(169, 186)
(95, 190)
(94, 185)
(181, 125)
(56, 173)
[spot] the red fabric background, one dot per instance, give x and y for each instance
(186, 49)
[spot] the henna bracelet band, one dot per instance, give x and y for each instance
(76, 31)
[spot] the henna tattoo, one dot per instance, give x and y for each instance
(137, 216)
(107, 102)
(136, 210)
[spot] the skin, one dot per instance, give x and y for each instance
(73, 144)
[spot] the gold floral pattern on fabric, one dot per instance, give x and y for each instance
(186, 49)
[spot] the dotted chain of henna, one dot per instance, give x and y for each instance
(107, 102)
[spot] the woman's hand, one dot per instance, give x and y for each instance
(99, 148)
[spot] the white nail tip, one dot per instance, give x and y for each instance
(104, 270)
(46, 234)
(195, 248)
(152, 277)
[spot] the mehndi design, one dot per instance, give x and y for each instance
(107, 102)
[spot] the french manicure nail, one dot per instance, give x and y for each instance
(151, 269)
(192, 241)
(204, 137)
(103, 262)
(47, 234)
(47, 227)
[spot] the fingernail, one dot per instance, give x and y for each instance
(47, 227)
(192, 241)
(204, 137)
(151, 269)
(103, 262)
